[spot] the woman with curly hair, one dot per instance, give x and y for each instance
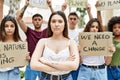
(114, 67)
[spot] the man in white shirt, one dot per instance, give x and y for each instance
(73, 34)
(72, 22)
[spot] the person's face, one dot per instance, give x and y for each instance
(37, 22)
(72, 21)
(116, 29)
(9, 28)
(94, 27)
(57, 24)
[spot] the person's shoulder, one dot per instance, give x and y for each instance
(20, 41)
(43, 40)
(72, 41)
(30, 29)
(44, 30)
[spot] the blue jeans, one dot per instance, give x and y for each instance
(86, 73)
(31, 74)
(10, 75)
(75, 73)
(48, 78)
(113, 73)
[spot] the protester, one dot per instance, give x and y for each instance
(72, 22)
(9, 33)
(32, 37)
(74, 31)
(114, 67)
(93, 67)
(56, 55)
(73, 34)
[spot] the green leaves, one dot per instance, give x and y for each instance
(22, 74)
(83, 13)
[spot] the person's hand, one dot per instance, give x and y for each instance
(64, 6)
(27, 56)
(97, 4)
(27, 2)
(111, 48)
(49, 3)
(88, 7)
(71, 57)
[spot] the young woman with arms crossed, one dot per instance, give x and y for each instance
(56, 55)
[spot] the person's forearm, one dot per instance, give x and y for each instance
(90, 15)
(99, 16)
(52, 10)
(50, 5)
(63, 66)
(22, 11)
(42, 67)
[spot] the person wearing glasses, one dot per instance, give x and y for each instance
(72, 22)
(73, 34)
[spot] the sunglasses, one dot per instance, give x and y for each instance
(73, 19)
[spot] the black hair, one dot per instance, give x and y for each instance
(114, 20)
(74, 14)
(37, 15)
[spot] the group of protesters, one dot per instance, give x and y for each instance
(55, 52)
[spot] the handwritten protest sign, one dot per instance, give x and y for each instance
(108, 4)
(77, 3)
(38, 3)
(13, 54)
(95, 43)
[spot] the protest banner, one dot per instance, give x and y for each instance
(57, 4)
(13, 54)
(77, 3)
(38, 3)
(108, 4)
(95, 43)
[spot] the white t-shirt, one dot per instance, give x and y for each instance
(73, 34)
(93, 60)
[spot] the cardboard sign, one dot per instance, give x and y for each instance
(108, 4)
(38, 3)
(57, 4)
(13, 54)
(77, 3)
(95, 43)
